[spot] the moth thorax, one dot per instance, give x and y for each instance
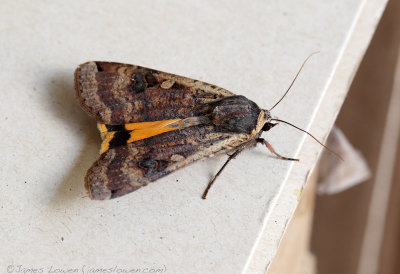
(235, 114)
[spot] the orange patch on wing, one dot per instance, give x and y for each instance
(141, 134)
(138, 131)
(106, 141)
(103, 130)
(150, 125)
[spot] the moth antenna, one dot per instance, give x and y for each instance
(291, 84)
(327, 148)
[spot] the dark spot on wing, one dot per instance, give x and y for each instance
(99, 68)
(152, 166)
(120, 138)
(138, 84)
(115, 127)
(151, 80)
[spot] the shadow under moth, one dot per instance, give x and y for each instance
(153, 123)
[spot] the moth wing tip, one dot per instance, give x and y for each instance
(97, 191)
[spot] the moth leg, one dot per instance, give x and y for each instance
(233, 155)
(272, 150)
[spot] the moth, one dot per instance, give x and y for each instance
(153, 123)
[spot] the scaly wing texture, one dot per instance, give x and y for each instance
(116, 94)
(124, 97)
(127, 168)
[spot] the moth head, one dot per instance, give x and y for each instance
(268, 122)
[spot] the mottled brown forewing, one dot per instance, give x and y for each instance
(127, 168)
(115, 93)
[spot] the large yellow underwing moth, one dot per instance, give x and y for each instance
(153, 123)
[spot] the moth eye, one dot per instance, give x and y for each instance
(268, 126)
